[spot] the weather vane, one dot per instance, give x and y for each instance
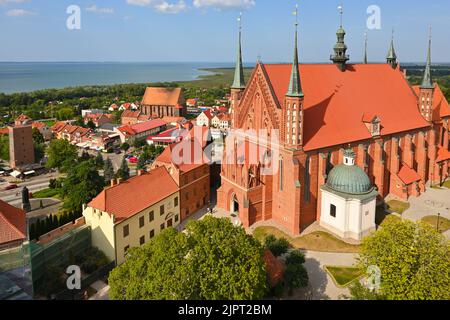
(296, 15)
(341, 12)
(239, 19)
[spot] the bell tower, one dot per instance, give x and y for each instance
(238, 86)
(292, 113)
(427, 88)
(340, 56)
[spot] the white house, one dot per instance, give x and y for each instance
(348, 201)
(204, 119)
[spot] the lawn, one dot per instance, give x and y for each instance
(315, 241)
(382, 216)
(398, 206)
(343, 276)
(444, 224)
(447, 184)
(46, 193)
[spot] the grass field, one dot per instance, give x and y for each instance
(444, 224)
(398, 206)
(221, 78)
(46, 193)
(315, 241)
(343, 276)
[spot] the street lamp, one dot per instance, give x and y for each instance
(437, 225)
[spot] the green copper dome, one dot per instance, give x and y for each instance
(349, 178)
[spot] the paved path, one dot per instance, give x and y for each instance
(429, 203)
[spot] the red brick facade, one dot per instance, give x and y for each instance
(398, 163)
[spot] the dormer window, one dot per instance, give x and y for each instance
(373, 124)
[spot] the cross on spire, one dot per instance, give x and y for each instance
(341, 13)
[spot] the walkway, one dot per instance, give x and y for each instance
(431, 202)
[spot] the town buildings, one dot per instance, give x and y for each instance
(130, 133)
(21, 148)
(131, 117)
(190, 170)
(399, 134)
(205, 119)
(130, 213)
(98, 119)
(161, 102)
(73, 134)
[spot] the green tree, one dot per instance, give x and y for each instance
(4, 147)
(124, 170)
(61, 155)
(38, 138)
(125, 146)
(295, 275)
(39, 151)
(212, 260)
(141, 163)
(414, 260)
(99, 162)
(276, 246)
(82, 184)
(108, 170)
(65, 113)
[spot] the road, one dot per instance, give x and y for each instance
(33, 184)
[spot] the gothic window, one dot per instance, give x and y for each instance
(307, 179)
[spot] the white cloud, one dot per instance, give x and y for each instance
(161, 5)
(95, 9)
(224, 4)
(12, 1)
(19, 13)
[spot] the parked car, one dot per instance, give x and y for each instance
(11, 187)
(132, 160)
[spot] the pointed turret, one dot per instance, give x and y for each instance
(427, 82)
(391, 57)
(292, 113)
(426, 94)
(295, 86)
(340, 56)
(239, 81)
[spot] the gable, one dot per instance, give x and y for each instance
(259, 108)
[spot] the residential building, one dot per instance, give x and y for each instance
(128, 214)
(99, 119)
(44, 129)
(205, 119)
(191, 102)
(190, 170)
(71, 133)
(399, 134)
(21, 149)
(130, 117)
(129, 133)
(225, 121)
(161, 102)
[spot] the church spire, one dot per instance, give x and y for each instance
(239, 81)
(427, 82)
(295, 87)
(391, 57)
(340, 56)
(365, 48)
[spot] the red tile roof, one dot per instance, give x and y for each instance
(4, 131)
(441, 107)
(142, 127)
(136, 194)
(408, 175)
(38, 125)
(12, 223)
(162, 96)
(442, 155)
(131, 114)
(208, 114)
(23, 118)
(336, 101)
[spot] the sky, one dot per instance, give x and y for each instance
(206, 30)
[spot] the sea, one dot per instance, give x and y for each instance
(31, 76)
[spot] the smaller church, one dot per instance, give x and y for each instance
(348, 200)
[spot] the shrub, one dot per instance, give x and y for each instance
(91, 260)
(295, 274)
(276, 246)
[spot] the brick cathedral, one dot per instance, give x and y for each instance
(398, 132)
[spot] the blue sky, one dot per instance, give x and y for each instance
(205, 30)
